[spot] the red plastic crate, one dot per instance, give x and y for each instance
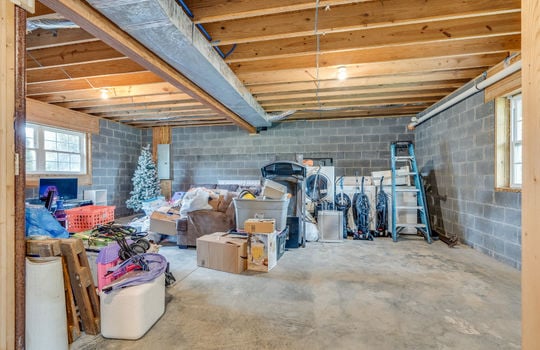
(85, 218)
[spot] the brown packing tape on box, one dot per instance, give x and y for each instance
(260, 225)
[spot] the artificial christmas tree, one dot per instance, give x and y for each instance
(145, 181)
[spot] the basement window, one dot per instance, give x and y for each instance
(508, 152)
(55, 151)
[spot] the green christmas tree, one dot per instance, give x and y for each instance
(145, 181)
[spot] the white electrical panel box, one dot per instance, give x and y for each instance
(164, 161)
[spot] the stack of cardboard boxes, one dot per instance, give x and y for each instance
(254, 249)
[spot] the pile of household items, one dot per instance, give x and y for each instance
(89, 275)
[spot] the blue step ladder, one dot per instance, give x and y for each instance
(403, 152)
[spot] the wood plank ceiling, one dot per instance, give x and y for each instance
(400, 57)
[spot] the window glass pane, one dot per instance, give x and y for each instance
(517, 174)
(31, 160)
(63, 166)
(50, 145)
(517, 153)
(30, 138)
(519, 131)
(61, 151)
(49, 135)
(51, 166)
(63, 146)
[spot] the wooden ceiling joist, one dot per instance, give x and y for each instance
(188, 104)
(463, 47)
(70, 54)
(127, 91)
(81, 70)
(339, 19)
(106, 81)
(442, 30)
(216, 10)
(357, 97)
(400, 56)
(93, 22)
(375, 68)
(450, 85)
(43, 39)
(352, 104)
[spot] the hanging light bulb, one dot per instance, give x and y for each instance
(104, 93)
(342, 73)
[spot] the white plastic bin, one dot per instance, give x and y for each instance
(130, 312)
(262, 209)
(46, 321)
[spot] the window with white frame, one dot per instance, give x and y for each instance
(51, 150)
(508, 143)
(515, 141)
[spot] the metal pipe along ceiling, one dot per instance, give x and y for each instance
(465, 94)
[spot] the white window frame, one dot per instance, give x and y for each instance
(516, 141)
(40, 151)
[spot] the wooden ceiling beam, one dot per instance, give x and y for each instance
(70, 54)
(40, 11)
(129, 91)
(450, 85)
(346, 115)
(156, 111)
(99, 26)
(143, 118)
(86, 69)
(217, 122)
(375, 68)
(106, 81)
(464, 47)
(43, 38)
(180, 105)
(442, 30)
(352, 104)
(443, 76)
(340, 95)
(352, 17)
(117, 102)
(352, 99)
(206, 11)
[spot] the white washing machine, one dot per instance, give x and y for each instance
(320, 184)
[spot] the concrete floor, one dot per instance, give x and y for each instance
(351, 295)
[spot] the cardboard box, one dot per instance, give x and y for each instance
(260, 225)
(273, 190)
(164, 223)
(262, 251)
(222, 251)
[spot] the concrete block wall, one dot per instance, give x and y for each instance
(115, 152)
(455, 150)
(208, 154)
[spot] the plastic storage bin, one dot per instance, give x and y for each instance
(262, 209)
(130, 312)
(85, 218)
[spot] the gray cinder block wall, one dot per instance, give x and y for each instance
(455, 150)
(115, 152)
(207, 154)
